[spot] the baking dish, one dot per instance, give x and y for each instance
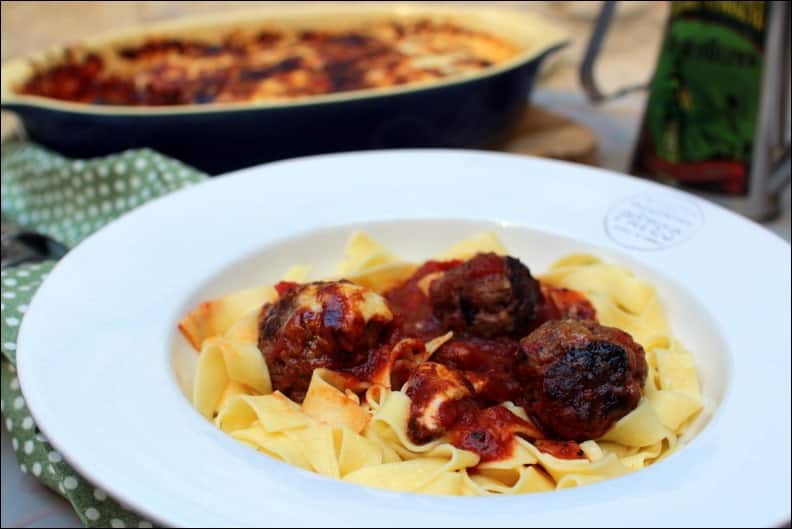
(474, 110)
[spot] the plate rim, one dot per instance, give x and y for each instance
(240, 174)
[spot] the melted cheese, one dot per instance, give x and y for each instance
(335, 434)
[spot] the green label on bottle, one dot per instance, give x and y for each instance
(701, 116)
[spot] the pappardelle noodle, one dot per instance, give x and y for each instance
(464, 375)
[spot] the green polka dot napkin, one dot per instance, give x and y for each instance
(67, 200)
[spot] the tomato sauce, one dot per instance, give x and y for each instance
(563, 303)
(476, 421)
(281, 287)
(410, 305)
(560, 449)
(489, 432)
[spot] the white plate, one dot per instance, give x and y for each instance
(98, 345)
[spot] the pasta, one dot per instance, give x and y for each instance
(356, 429)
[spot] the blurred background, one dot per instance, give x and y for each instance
(627, 58)
(631, 49)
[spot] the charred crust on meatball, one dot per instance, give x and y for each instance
(580, 377)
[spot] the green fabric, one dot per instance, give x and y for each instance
(67, 200)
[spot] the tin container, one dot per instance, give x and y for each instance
(717, 116)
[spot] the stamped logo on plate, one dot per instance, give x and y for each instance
(653, 221)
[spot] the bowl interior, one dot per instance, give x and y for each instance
(418, 240)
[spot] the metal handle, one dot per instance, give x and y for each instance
(782, 164)
(586, 71)
(20, 246)
(771, 157)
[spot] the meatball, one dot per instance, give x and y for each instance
(323, 324)
(447, 401)
(580, 377)
(435, 391)
(487, 296)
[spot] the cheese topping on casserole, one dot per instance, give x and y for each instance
(270, 64)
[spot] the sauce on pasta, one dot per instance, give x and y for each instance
(463, 375)
(478, 424)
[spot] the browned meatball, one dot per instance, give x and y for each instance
(487, 296)
(580, 377)
(434, 391)
(324, 324)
